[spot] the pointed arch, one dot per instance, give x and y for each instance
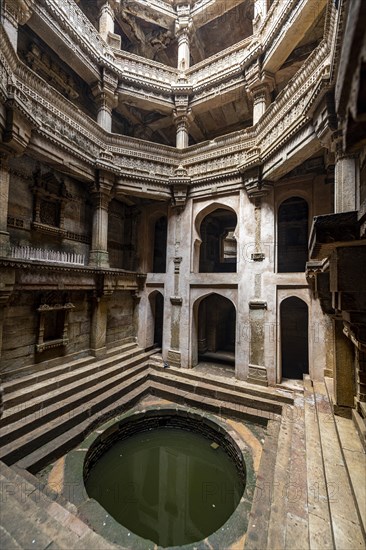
(294, 321)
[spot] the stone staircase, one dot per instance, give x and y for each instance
(48, 413)
(31, 518)
(309, 487)
(45, 418)
(306, 497)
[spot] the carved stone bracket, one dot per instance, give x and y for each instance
(179, 185)
(176, 300)
(255, 185)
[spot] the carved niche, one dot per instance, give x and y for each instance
(49, 199)
(53, 322)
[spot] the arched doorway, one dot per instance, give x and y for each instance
(156, 300)
(218, 248)
(294, 338)
(160, 242)
(216, 330)
(292, 235)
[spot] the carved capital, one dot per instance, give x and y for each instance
(179, 185)
(255, 185)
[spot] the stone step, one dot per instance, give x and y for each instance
(20, 395)
(115, 403)
(211, 390)
(320, 529)
(31, 519)
(346, 526)
(44, 374)
(261, 507)
(217, 406)
(282, 395)
(91, 377)
(67, 403)
(70, 415)
(354, 457)
(277, 487)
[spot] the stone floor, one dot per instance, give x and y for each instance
(310, 489)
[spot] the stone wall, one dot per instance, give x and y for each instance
(21, 329)
(120, 317)
(77, 213)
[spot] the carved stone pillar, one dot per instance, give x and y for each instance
(261, 100)
(98, 328)
(259, 86)
(260, 12)
(183, 51)
(106, 98)
(106, 20)
(183, 27)
(15, 13)
(345, 182)
(99, 249)
(182, 125)
(4, 201)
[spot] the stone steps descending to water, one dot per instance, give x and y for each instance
(44, 420)
(17, 392)
(30, 518)
(87, 384)
(54, 448)
(281, 396)
(69, 413)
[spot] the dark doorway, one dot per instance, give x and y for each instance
(158, 311)
(218, 247)
(292, 235)
(294, 338)
(160, 241)
(216, 330)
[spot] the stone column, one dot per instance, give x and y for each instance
(99, 249)
(344, 373)
(15, 13)
(182, 139)
(345, 183)
(4, 202)
(183, 27)
(261, 100)
(106, 97)
(183, 51)
(104, 116)
(260, 12)
(106, 20)
(98, 328)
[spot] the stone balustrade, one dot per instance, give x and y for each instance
(61, 122)
(44, 255)
(142, 74)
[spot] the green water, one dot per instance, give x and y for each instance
(167, 485)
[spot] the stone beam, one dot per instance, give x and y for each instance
(208, 10)
(301, 146)
(303, 16)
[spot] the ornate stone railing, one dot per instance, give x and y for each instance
(76, 22)
(56, 118)
(136, 68)
(223, 64)
(44, 255)
(135, 71)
